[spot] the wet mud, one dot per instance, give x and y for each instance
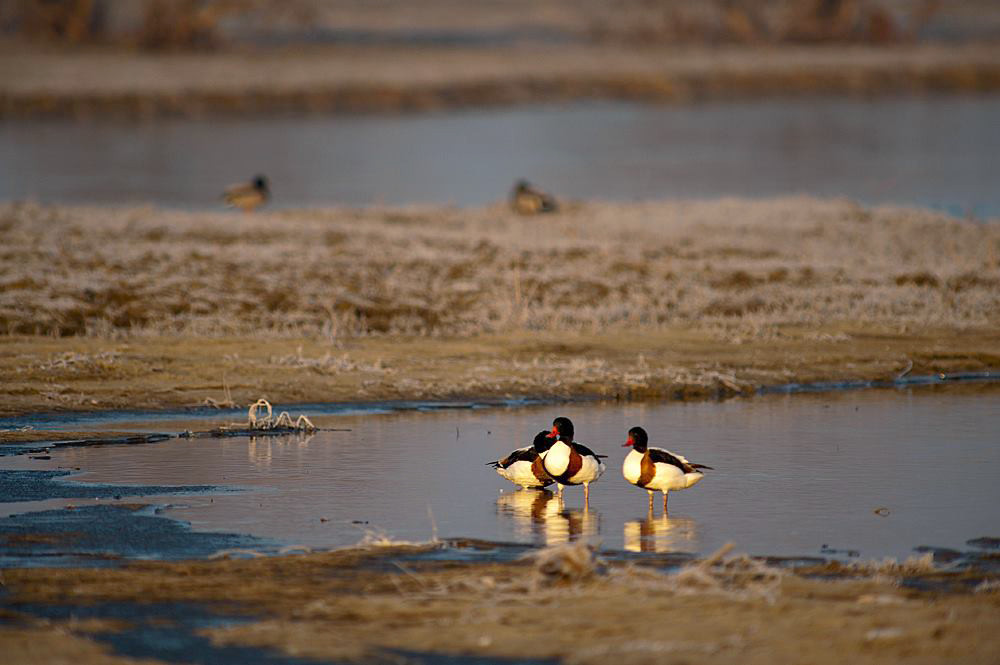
(403, 604)
(20, 485)
(166, 632)
(105, 535)
(175, 633)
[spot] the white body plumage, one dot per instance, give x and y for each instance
(558, 459)
(665, 477)
(521, 472)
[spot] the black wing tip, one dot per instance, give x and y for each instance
(702, 466)
(495, 465)
(600, 456)
(584, 450)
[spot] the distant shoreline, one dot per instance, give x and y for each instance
(38, 83)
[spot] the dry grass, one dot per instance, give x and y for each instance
(739, 269)
(100, 83)
(192, 24)
(678, 363)
(354, 604)
(150, 308)
(447, 53)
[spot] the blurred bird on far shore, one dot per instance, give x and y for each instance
(248, 196)
(526, 199)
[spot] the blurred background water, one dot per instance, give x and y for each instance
(936, 152)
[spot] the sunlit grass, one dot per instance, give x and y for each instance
(738, 269)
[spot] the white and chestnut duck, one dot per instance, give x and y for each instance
(656, 469)
(570, 462)
(524, 466)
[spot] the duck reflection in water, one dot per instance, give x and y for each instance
(541, 516)
(661, 534)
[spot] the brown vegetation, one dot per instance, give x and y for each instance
(37, 83)
(144, 307)
(159, 24)
(739, 269)
(148, 24)
(356, 604)
(138, 58)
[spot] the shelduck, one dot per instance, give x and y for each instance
(524, 466)
(570, 462)
(656, 469)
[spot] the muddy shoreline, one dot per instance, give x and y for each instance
(444, 370)
(196, 420)
(384, 603)
(38, 83)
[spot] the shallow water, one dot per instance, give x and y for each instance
(940, 152)
(794, 475)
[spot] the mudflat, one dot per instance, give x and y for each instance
(387, 604)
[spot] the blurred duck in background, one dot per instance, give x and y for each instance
(526, 199)
(248, 196)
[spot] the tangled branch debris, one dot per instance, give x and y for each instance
(268, 422)
(262, 421)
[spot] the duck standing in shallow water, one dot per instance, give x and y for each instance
(524, 466)
(248, 196)
(526, 199)
(655, 469)
(569, 462)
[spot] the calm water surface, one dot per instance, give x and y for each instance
(792, 474)
(940, 152)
